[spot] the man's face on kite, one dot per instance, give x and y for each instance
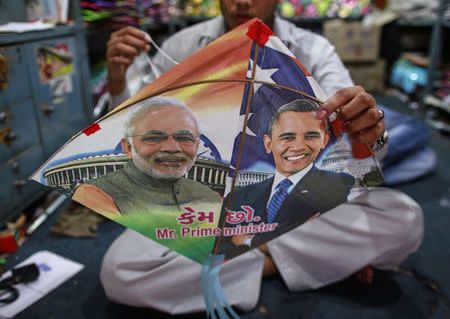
(164, 143)
(297, 138)
(237, 12)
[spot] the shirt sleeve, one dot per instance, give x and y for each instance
(142, 273)
(329, 71)
(116, 100)
(320, 58)
(138, 74)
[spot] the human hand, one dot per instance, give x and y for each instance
(264, 249)
(363, 121)
(240, 240)
(269, 267)
(123, 47)
(313, 217)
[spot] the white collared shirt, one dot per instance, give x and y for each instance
(293, 178)
(278, 178)
(318, 56)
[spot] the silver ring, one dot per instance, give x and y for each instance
(380, 115)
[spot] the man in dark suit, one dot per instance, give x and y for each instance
(298, 191)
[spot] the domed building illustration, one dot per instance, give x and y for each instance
(68, 174)
(209, 168)
(339, 159)
(251, 177)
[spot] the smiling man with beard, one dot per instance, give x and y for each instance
(161, 141)
(298, 191)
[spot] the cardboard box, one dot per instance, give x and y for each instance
(353, 42)
(369, 75)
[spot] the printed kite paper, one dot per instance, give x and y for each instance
(233, 99)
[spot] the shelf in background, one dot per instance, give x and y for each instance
(419, 22)
(58, 31)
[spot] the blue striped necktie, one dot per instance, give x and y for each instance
(277, 199)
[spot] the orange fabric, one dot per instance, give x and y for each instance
(95, 199)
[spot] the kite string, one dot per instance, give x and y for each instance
(153, 67)
(162, 52)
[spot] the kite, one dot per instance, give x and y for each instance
(190, 159)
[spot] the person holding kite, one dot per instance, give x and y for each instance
(380, 227)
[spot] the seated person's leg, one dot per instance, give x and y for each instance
(379, 228)
(139, 272)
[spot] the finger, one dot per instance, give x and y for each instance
(339, 99)
(135, 42)
(363, 121)
(122, 60)
(128, 47)
(357, 106)
(313, 217)
(123, 50)
(131, 31)
(129, 40)
(369, 136)
(264, 249)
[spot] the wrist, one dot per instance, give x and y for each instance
(116, 87)
(381, 142)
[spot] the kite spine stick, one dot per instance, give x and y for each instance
(241, 145)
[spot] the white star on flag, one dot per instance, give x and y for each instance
(241, 124)
(261, 75)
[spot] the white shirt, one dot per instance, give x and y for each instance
(278, 178)
(314, 51)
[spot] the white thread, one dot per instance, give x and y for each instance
(152, 66)
(162, 52)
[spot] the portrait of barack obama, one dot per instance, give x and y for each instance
(298, 191)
